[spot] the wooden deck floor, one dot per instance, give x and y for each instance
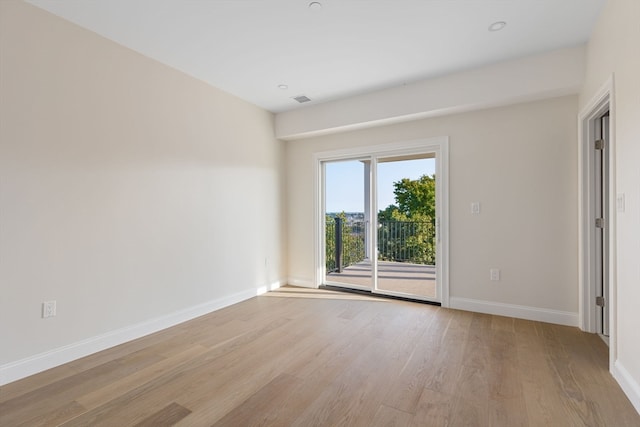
(397, 277)
(305, 357)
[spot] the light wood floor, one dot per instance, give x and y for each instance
(301, 357)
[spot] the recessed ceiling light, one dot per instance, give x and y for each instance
(497, 26)
(315, 5)
(283, 87)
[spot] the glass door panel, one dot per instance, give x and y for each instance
(406, 226)
(347, 242)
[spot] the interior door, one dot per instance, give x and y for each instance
(601, 201)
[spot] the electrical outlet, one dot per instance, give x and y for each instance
(494, 274)
(48, 309)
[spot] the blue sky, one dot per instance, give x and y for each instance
(345, 182)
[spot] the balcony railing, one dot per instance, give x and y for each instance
(398, 241)
(407, 241)
(345, 243)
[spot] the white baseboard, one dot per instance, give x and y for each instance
(301, 282)
(518, 311)
(628, 384)
(270, 287)
(40, 362)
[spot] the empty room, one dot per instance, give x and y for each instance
(319, 213)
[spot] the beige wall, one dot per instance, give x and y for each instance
(128, 190)
(614, 48)
(546, 75)
(519, 162)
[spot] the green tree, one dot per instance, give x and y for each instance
(416, 196)
(407, 230)
(388, 213)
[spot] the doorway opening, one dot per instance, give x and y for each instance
(383, 220)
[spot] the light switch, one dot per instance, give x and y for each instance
(475, 208)
(620, 202)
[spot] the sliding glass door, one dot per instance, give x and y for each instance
(380, 219)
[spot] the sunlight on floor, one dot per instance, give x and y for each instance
(297, 292)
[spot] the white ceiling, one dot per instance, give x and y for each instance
(348, 47)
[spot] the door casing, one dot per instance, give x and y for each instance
(602, 102)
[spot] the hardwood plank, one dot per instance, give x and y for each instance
(255, 371)
(405, 393)
(589, 354)
(354, 397)
(540, 390)
(434, 409)
(49, 398)
(506, 395)
(188, 382)
(117, 388)
(444, 369)
(470, 402)
(339, 339)
(316, 357)
(264, 406)
(508, 412)
(577, 406)
(242, 376)
(341, 401)
(55, 417)
(483, 372)
(320, 363)
(501, 323)
(39, 380)
(166, 417)
(121, 351)
(391, 417)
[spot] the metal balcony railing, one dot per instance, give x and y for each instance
(345, 243)
(398, 241)
(407, 241)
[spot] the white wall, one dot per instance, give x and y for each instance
(128, 191)
(520, 163)
(551, 74)
(614, 48)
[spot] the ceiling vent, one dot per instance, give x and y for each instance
(301, 99)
